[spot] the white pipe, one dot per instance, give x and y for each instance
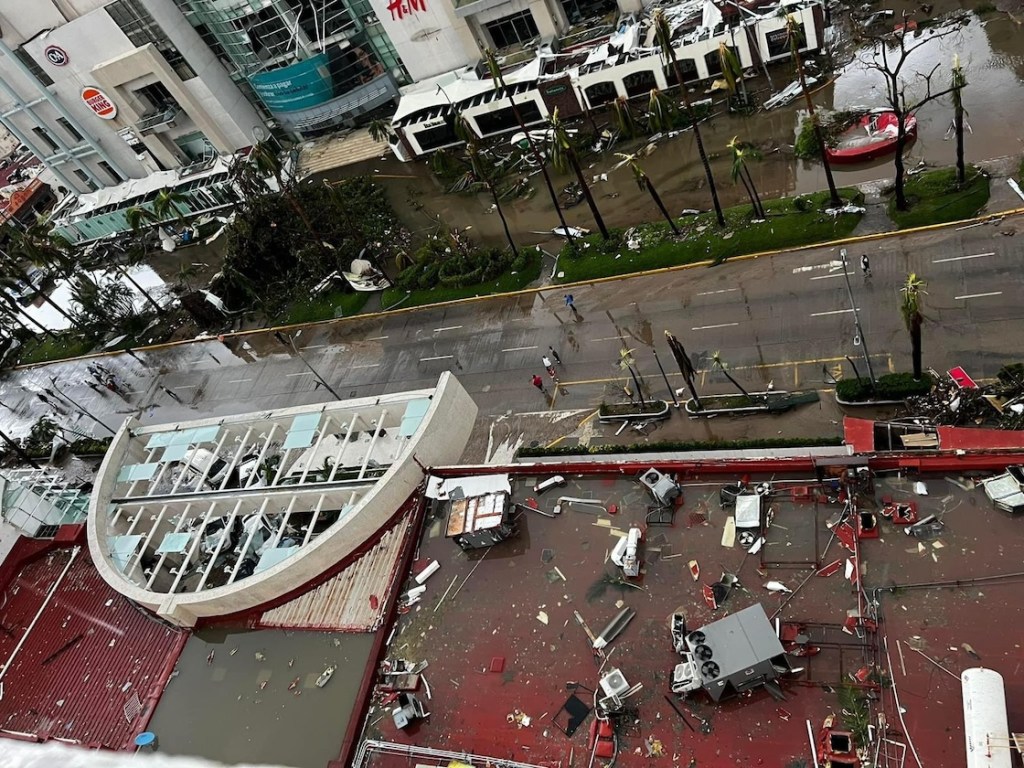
(220, 545)
(234, 461)
(312, 522)
(213, 460)
(46, 602)
(284, 523)
(319, 442)
(146, 542)
(344, 445)
(248, 541)
(197, 539)
(896, 698)
(163, 556)
(814, 747)
(259, 460)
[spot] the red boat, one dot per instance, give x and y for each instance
(871, 137)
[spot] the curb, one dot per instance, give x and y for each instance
(977, 220)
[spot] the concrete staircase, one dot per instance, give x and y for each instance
(338, 151)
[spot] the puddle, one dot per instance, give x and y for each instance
(217, 710)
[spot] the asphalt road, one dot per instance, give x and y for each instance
(779, 319)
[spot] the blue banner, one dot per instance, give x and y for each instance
(300, 85)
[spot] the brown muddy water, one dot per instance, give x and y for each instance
(222, 711)
(991, 51)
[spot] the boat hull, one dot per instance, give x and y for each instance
(884, 145)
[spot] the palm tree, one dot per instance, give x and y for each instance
(138, 218)
(20, 274)
(741, 153)
(643, 181)
(499, 83)
(167, 202)
(685, 368)
(668, 53)
(10, 307)
(910, 309)
(268, 162)
(795, 36)
(661, 112)
(380, 131)
(563, 157)
(465, 132)
(716, 360)
(732, 73)
(625, 123)
(958, 80)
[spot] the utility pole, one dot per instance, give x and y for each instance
(289, 342)
(665, 377)
(63, 395)
(859, 339)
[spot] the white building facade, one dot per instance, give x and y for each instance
(105, 91)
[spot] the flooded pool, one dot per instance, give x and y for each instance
(238, 707)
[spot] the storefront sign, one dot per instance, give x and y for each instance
(56, 55)
(402, 8)
(301, 85)
(98, 102)
(130, 137)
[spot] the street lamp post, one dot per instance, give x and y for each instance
(856, 321)
(289, 342)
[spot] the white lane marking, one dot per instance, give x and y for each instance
(826, 277)
(832, 312)
(709, 327)
(376, 338)
(518, 349)
(317, 346)
(832, 265)
(978, 295)
(962, 258)
(713, 293)
(238, 381)
(370, 365)
(439, 357)
(187, 386)
(607, 338)
(447, 328)
(302, 373)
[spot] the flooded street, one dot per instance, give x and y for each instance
(239, 709)
(991, 51)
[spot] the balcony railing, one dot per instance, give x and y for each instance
(158, 119)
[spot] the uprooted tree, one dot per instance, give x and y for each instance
(890, 56)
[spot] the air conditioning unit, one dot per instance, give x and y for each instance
(663, 488)
(614, 683)
(685, 677)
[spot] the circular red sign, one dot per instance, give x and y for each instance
(99, 103)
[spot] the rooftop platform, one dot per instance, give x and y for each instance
(499, 631)
(219, 517)
(82, 664)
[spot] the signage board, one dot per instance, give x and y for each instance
(99, 103)
(301, 85)
(56, 55)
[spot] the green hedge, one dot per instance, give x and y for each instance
(892, 386)
(87, 446)
(681, 446)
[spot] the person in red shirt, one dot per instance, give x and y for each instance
(538, 382)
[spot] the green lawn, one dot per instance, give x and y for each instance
(791, 222)
(327, 306)
(934, 198)
(507, 282)
(42, 349)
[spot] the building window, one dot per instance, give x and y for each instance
(139, 27)
(514, 29)
(84, 178)
(114, 175)
(156, 96)
(34, 68)
(69, 128)
(46, 138)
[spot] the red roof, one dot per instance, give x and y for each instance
(86, 655)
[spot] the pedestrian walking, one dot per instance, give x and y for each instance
(171, 393)
(554, 354)
(549, 367)
(865, 265)
(570, 302)
(538, 382)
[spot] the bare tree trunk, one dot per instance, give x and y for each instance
(700, 145)
(661, 206)
(639, 389)
(958, 128)
(822, 147)
(501, 215)
(574, 161)
(915, 345)
(759, 207)
(901, 171)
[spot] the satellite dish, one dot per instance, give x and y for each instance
(259, 133)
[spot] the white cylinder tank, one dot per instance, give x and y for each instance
(986, 730)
